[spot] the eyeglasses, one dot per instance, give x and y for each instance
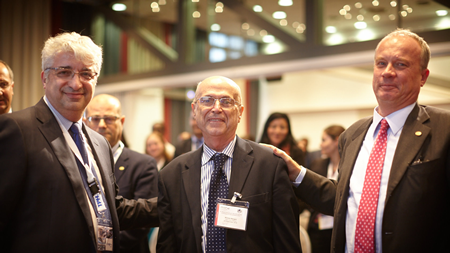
(109, 119)
(67, 74)
(224, 102)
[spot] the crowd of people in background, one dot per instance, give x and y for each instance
(71, 182)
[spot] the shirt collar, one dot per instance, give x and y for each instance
(63, 121)
(396, 119)
(208, 153)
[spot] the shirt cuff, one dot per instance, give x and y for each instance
(300, 177)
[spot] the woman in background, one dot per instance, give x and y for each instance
(277, 132)
(320, 226)
(155, 147)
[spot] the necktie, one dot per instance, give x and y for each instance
(365, 221)
(78, 138)
(218, 189)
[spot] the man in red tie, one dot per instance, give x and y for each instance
(393, 191)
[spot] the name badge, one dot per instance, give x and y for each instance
(231, 214)
(325, 221)
(104, 235)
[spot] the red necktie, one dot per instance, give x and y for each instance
(367, 211)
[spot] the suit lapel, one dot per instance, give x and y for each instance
(409, 145)
(122, 161)
(51, 130)
(240, 168)
(191, 177)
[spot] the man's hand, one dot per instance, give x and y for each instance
(293, 167)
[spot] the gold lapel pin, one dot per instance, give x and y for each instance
(122, 168)
(418, 133)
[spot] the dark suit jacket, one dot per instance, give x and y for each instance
(416, 214)
(137, 177)
(44, 206)
(319, 166)
(183, 147)
(257, 174)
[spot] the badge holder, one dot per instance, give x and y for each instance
(104, 225)
(232, 213)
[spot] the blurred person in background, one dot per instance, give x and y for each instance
(6, 87)
(154, 146)
(160, 127)
(194, 142)
(277, 132)
(320, 226)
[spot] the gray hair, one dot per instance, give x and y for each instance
(82, 47)
(11, 74)
(425, 49)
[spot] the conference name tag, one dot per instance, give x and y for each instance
(231, 214)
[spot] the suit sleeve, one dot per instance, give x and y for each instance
(285, 213)
(12, 171)
(166, 235)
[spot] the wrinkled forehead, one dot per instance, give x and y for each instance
(218, 86)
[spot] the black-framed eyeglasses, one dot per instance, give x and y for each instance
(67, 73)
(225, 102)
(109, 119)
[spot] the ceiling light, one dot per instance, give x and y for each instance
(330, 29)
(393, 3)
(358, 5)
(218, 9)
(375, 3)
(335, 39)
(365, 35)
(263, 33)
(392, 17)
(250, 32)
(245, 26)
(154, 5)
(283, 22)
(257, 8)
(285, 2)
(360, 25)
(342, 12)
(405, 6)
(162, 2)
(348, 16)
(299, 29)
(196, 14)
(376, 17)
(279, 15)
(215, 27)
(295, 24)
(404, 13)
(195, 1)
(268, 38)
(156, 9)
(409, 10)
(360, 17)
(219, 4)
(441, 13)
(347, 7)
(119, 7)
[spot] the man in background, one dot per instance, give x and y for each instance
(191, 186)
(6, 87)
(194, 142)
(136, 174)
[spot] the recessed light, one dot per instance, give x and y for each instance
(119, 7)
(279, 15)
(441, 13)
(285, 2)
(257, 8)
(360, 25)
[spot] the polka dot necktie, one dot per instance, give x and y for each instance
(218, 189)
(365, 221)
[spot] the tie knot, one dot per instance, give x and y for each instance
(384, 125)
(75, 128)
(219, 160)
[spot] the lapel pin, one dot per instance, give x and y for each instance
(122, 168)
(418, 133)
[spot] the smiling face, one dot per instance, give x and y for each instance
(68, 97)
(277, 131)
(397, 75)
(154, 146)
(217, 124)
